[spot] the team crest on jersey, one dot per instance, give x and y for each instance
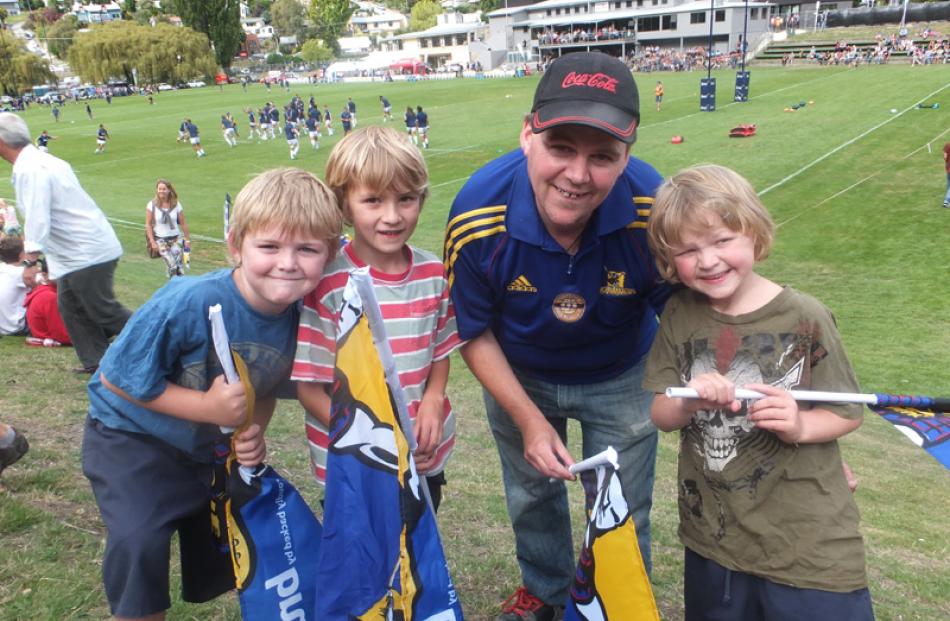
(569, 307)
(521, 284)
(614, 284)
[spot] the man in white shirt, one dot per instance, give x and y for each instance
(63, 222)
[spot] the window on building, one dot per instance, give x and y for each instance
(616, 5)
(648, 24)
(629, 3)
(548, 12)
(668, 23)
(720, 16)
(697, 18)
(423, 43)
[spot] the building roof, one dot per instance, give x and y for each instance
(442, 30)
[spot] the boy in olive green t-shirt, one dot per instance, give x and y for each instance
(766, 515)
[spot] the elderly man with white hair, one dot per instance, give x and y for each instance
(63, 222)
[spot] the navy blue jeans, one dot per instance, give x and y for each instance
(612, 413)
(714, 593)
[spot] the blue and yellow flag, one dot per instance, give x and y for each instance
(611, 583)
(381, 556)
(272, 535)
(928, 428)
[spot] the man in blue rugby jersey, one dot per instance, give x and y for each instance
(557, 294)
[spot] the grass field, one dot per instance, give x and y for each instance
(855, 188)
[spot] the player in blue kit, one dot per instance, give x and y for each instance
(251, 123)
(387, 109)
(313, 131)
(42, 141)
(291, 133)
(351, 106)
(101, 136)
(263, 123)
(227, 130)
(274, 121)
(194, 138)
(422, 125)
(410, 117)
(346, 120)
(328, 119)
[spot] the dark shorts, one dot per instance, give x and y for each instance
(714, 593)
(146, 491)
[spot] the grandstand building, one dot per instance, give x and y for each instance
(621, 27)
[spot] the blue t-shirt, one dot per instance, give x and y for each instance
(345, 118)
(311, 124)
(385, 102)
(43, 140)
(422, 119)
(327, 116)
(264, 118)
(250, 117)
(563, 319)
(192, 129)
(168, 339)
(351, 105)
(101, 133)
(290, 131)
(227, 123)
(410, 119)
(274, 115)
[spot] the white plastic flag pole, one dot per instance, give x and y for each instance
(798, 395)
(606, 457)
(222, 346)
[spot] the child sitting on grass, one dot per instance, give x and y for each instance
(766, 515)
(381, 182)
(159, 397)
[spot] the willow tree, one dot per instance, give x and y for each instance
(160, 54)
(20, 69)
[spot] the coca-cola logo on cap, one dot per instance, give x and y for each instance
(593, 80)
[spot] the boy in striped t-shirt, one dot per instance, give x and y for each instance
(381, 183)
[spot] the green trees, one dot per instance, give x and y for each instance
(18, 68)
(60, 35)
(220, 20)
(330, 18)
(287, 17)
(314, 51)
(164, 53)
(423, 15)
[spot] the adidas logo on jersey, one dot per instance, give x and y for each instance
(522, 284)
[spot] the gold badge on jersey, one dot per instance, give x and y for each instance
(614, 284)
(569, 307)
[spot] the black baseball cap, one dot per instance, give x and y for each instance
(588, 88)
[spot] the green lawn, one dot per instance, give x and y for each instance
(855, 188)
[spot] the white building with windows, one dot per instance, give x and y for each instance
(619, 27)
(96, 13)
(454, 39)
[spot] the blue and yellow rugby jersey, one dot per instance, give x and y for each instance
(567, 320)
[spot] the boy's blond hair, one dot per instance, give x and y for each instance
(690, 202)
(290, 199)
(376, 157)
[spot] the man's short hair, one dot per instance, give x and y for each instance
(13, 130)
(11, 248)
(693, 199)
(376, 157)
(290, 199)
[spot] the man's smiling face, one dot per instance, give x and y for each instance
(572, 169)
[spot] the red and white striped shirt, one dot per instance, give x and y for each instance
(420, 324)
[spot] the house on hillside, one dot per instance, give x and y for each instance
(96, 13)
(12, 6)
(451, 41)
